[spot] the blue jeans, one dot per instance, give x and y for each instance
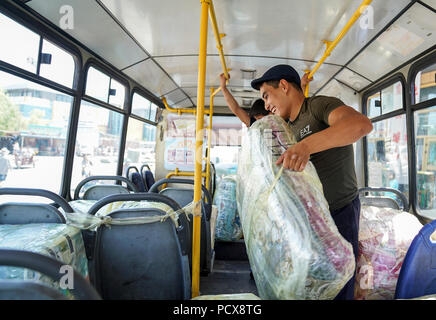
(347, 221)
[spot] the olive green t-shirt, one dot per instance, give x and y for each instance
(335, 167)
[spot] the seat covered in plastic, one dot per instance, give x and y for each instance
(29, 290)
(418, 273)
(142, 261)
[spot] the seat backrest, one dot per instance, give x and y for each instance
(148, 179)
(24, 213)
(182, 196)
(418, 273)
(98, 192)
(28, 290)
(142, 261)
(48, 266)
(381, 202)
(137, 180)
(384, 201)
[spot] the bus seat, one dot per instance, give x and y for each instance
(24, 290)
(147, 176)
(136, 178)
(183, 232)
(97, 192)
(418, 273)
(141, 261)
(183, 197)
(383, 201)
(24, 213)
(28, 290)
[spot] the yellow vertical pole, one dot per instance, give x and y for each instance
(199, 148)
(209, 138)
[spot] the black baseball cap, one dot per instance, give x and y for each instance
(258, 109)
(278, 72)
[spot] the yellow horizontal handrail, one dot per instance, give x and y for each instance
(330, 45)
(179, 111)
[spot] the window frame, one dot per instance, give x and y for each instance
(415, 68)
(44, 34)
(378, 88)
(91, 62)
(149, 97)
(398, 77)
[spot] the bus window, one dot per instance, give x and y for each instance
(392, 98)
(425, 84)
(387, 155)
(140, 145)
(425, 142)
(374, 105)
(97, 84)
(117, 94)
(141, 106)
(20, 45)
(61, 66)
(33, 128)
(153, 112)
(97, 142)
(386, 100)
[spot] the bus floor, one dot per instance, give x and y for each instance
(231, 271)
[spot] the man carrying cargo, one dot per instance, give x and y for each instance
(325, 129)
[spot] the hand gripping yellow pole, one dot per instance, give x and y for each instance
(199, 148)
(330, 45)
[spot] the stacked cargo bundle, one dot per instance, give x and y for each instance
(385, 235)
(294, 247)
(228, 225)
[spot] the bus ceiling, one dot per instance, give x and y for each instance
(159, 49)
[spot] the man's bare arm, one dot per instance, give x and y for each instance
(346, 127)
(232, 103)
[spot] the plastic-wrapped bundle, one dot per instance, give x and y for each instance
(228, 225)
(60, 241)
(385, 235)
(294, 247)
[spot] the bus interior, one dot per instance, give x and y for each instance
(102, 103)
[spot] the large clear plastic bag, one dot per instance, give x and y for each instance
(228, 225)
(294, 247)
(385, 235)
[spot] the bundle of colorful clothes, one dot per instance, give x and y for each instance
(294, 247)
(385, 235)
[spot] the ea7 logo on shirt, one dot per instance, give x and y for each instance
(305, 131)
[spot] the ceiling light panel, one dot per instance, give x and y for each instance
(352, 79)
